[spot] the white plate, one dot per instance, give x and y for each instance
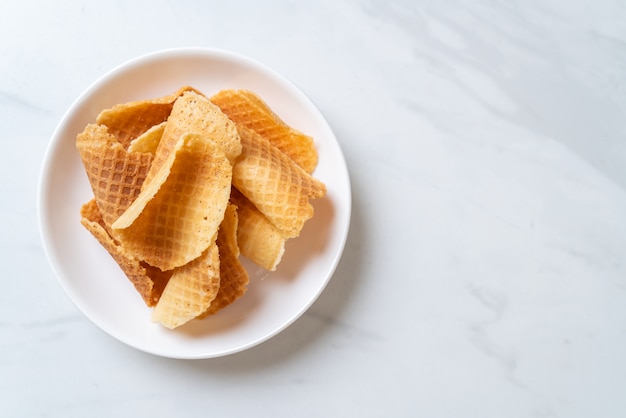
(95, 283)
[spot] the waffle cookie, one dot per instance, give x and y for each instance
(127, 121)
(147, 280)
(149, 140)
(274, 183)
(115, 175)
(248, 109)
(194, 113)
(233, 276)
(190, 290)
(178, 212)
(257, 238)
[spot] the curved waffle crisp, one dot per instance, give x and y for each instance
(149, 140)
(127, 121)
(247, 109)
(115, 175)
(147, 280)
(257, 238)
(194, 113)
(177, 214)
(233, 276)
(190, 290)
(274, 183)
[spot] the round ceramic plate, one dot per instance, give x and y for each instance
(95, 283)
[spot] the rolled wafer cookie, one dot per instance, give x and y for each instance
(190, 290)
(147, 280)
(248, 109)
(233, 276)
(115, 175)
(179, 211)
(258, 239)
(274, 183)
(127, 121)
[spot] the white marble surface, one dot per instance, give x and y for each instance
(484, 274)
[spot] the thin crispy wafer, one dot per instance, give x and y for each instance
(194, 113)
(175, 217)
(190, 290)
(115, 175)
(248, 109)
(274, 183)
(233, 276)
(127, 121)
(147, 280)
(258, 239)
(149, 140)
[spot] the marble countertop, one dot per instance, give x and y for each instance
(484, 274)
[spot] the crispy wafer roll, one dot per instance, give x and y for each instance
(258, 239)
(274, 183)
(247, 109)
(233, 276)
(177, 214)
(190, 290)
(149, 281)
(149, 140)
(129, 120)
(115, 175)
(194, 113)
